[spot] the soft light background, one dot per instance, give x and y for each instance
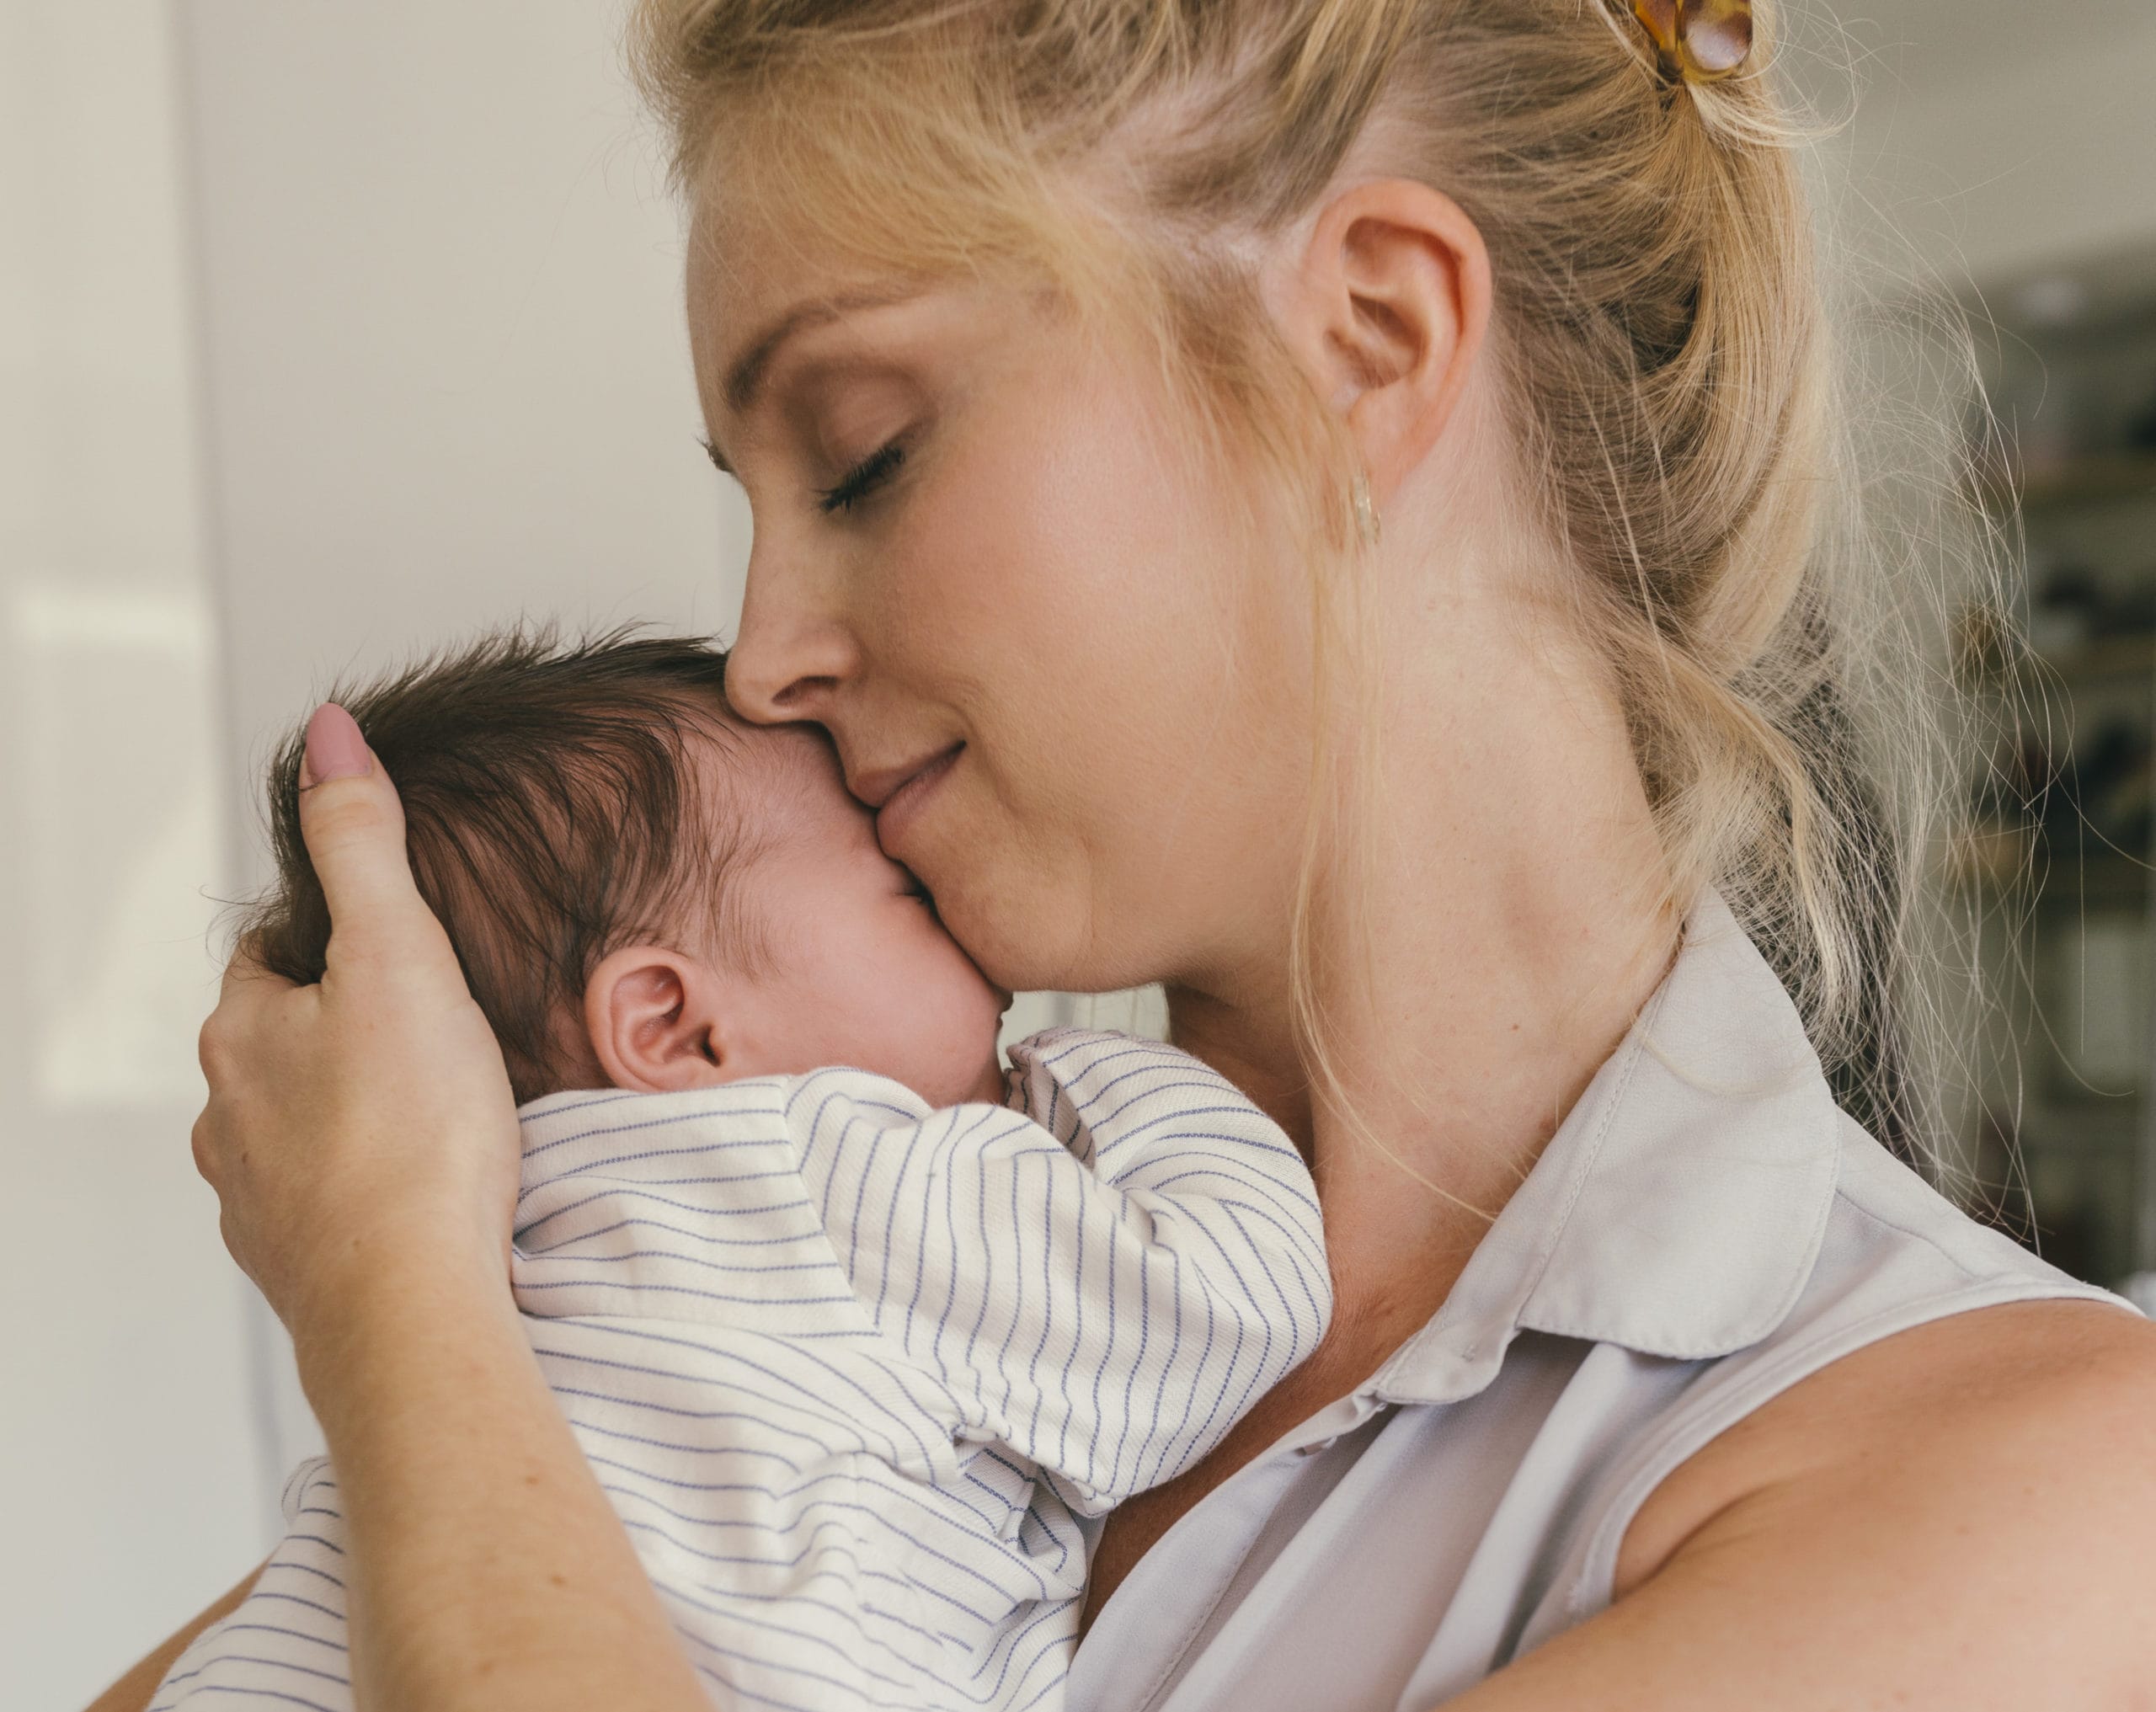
(329, 329)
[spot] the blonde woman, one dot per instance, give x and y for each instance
(1327, 504)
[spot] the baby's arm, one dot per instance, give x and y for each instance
(1107, 1289)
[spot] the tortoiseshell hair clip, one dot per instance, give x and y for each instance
(1701, 41)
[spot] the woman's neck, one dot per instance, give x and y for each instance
(1518, 920)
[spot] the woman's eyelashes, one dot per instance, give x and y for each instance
(863, 478)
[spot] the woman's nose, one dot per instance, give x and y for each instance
(792, 652)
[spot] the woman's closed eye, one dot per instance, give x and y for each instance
(864, 477)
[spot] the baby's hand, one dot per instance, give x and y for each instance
(362, 1128)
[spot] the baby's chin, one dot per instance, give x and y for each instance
(988, 1089)
(983, 1076)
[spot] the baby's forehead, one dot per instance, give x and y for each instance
(776, 780)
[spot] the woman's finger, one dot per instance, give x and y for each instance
(354, 826)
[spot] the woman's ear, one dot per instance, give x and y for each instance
(1387, 304)
(655, 1021)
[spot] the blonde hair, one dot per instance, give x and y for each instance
(1658, 324)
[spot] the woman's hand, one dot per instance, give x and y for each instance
(368, 1115)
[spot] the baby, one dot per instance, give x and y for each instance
(859, 1354)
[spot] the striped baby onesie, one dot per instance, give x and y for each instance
(858, 1374)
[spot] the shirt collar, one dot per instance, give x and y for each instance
(1679, 1208)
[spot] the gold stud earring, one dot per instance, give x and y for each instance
(1366, 513)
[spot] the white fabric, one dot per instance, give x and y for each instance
(1704, 1231)
(851, 1372)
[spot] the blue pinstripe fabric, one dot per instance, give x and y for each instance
(856, 1373)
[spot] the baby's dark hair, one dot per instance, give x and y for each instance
(554, 813)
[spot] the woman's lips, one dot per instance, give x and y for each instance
(904, 806)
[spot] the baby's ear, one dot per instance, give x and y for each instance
(652, 1016)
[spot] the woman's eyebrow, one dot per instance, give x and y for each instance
(748, 370)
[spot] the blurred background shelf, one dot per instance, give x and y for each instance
(2104, 656)
(2060, 860)
(2127, 477)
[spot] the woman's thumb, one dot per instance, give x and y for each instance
(354, 826)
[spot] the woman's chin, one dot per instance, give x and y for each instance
(1033, 966)
(1026, 934)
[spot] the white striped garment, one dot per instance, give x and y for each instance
(854, 1373)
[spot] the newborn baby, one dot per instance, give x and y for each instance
(857, 1353)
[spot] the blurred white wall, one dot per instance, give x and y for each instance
(129, 1446)
(1994, 140)
(444, 346)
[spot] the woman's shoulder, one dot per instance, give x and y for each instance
(1895, 1256)
(1921, 1330)
(2023, 1424)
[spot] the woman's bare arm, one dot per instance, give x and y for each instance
(133, 1691)
(363, 1144)
(1954, 1519)
(487, 1568)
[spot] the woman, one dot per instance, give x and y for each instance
(1323, 503)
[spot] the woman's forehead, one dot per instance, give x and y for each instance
(737, 272)
(741, 255)
(749, 290)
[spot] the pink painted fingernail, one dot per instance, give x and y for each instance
(334, 748)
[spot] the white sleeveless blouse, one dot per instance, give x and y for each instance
(1706, 1229)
